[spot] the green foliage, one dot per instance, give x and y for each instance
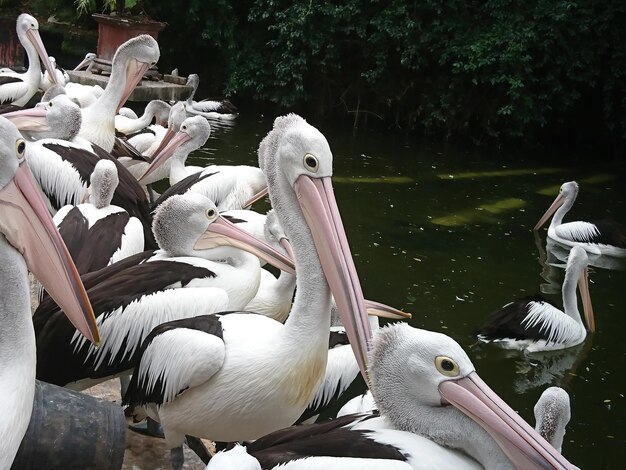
(489, 70)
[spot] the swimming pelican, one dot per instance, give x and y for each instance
(98, 233)
(532, 324)
(19, 88)
(601, 237)
(29, 241)
(210, 109)
(199, 269)
(256, 375)
(435, 412)
(130, 62)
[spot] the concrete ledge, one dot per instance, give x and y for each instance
(147, 90)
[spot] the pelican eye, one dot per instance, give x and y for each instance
(50, 103)
(311, 163)
(447, 366)
(184, 128)
(211, 213)
(20, 146)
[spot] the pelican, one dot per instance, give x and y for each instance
(552, 413)
(193, 134)
(98, 233)
(435, 412)
(604, 237)
(230, 187)
(130, 62)
(19, 88)
(532, 324)
(86, 95)
(155, 109)
(199, 269)
(209, 109)
(256, 375)
(28, 242)
(61, 76)
(87, 62)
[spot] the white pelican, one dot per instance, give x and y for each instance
(230, 187)
(604, 237)
(96, 232)
(28, 241)
(238, 376)
(130, 62)
(19, 88)
(193, 134)
(532, 324)
(155, 109)
(199, 269)
(86, 95)
(61, 76)
(435, 412)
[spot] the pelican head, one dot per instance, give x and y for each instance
(193, 134)
(189, 224)
(26, 224)
(89, 58)
(274, 233)
(178, 113)
(59, 118)
(193, 80)
(552, 413)
(412, 369)
(160, 110)
(104, 181)
(567, 195)
(297, 162)
(27, 28)
(138, 55)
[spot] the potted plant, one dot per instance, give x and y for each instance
(124, 19)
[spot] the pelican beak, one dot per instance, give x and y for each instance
(257, 197)
(27, 225)
(169, 135)
(84, 62)
(134, 72)
(221, 232)
(583, 286)
(558, 202)
(164, 152)
(374, 308)
(35, 39)
(33, 119)
(317, 200)
(524, 447)
(385, 311)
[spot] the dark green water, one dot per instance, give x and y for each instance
(447, 236)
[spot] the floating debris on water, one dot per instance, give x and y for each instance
(499, 173)
(373, 179)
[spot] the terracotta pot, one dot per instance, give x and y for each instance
(113, 31)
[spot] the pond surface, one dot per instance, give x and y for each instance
(447, 236)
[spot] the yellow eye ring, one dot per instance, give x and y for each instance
(311, 163)
(20, 148)
(447, 366)
(210, 213)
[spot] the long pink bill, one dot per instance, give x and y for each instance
(134, 73)
(165, 152)
(317, 200)
(27, 225)
(524, 447)
(558, 202)
(583, 286)
(32, 119)
(35, 39)
(221, 232)
(257, 197)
